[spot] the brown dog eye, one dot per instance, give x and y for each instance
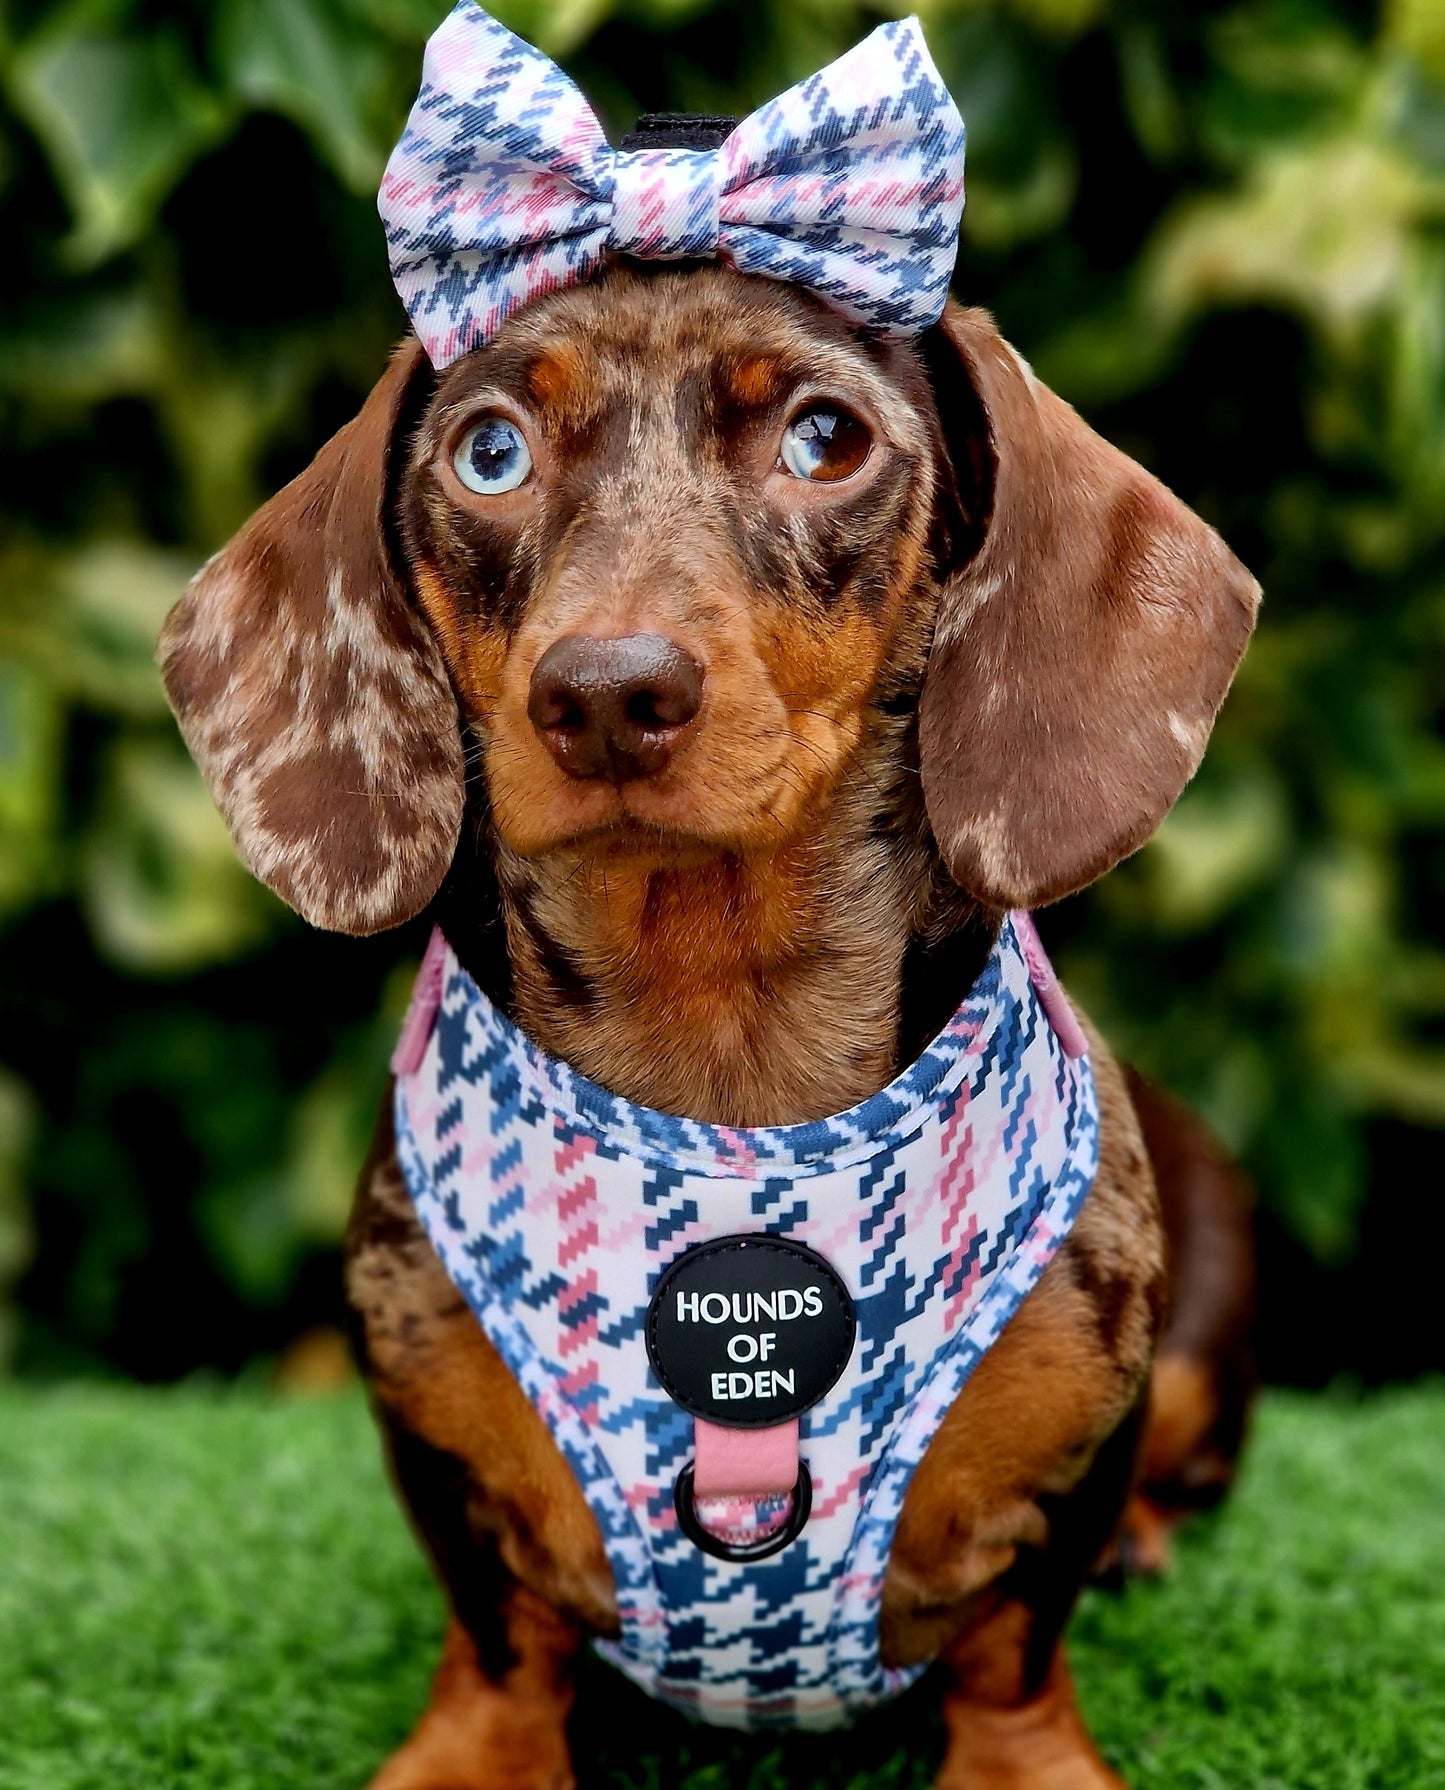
(825, 444)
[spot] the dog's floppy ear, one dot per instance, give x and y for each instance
(1081, 650)
(314, 699)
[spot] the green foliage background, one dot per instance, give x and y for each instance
(1218, 229)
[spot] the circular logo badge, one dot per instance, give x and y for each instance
(749, 1331)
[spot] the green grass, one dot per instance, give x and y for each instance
(215, 1590)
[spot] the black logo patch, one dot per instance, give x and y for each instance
(749, 1331)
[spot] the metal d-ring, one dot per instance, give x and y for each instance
(756, 1550)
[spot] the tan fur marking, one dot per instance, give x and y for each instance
(443, 611)
(1184, 1403)
(757, 379)
(740, 957)
(557, 378)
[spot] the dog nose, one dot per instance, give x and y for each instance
(614, 708)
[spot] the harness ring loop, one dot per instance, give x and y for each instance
(747, 1551)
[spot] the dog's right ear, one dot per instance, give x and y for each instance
(1088, 626)
(314, 698)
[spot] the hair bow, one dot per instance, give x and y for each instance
(504, 187)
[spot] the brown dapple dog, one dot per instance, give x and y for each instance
(719, 775)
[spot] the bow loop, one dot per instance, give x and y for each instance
(503, 187)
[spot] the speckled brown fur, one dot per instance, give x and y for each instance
(758, 899)
(779, 895)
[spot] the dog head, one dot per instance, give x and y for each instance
(658, 562)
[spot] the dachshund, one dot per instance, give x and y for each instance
(718, 745)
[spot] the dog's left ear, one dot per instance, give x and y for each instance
(1085, 637)
(311, 693)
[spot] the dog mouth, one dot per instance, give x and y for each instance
(625, 829)
(634, 847)
(724, 811)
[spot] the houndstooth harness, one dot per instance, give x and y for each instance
(748, 1593)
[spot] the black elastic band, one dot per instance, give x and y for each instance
(679, 130)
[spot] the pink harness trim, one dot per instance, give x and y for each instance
(1070, 1034)
(426, 1000)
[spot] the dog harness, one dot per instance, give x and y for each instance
(743, 1340)
(504, 187)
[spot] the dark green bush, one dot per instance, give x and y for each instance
(1220, 230)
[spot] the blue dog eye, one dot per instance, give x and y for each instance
(824, 444)
(493, 457)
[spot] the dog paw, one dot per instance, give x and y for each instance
(1029, 1766)
(484, 1778)
(512, 1759)
(1041, 1744)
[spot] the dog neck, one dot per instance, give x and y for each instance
(760, 990)
(742, 991)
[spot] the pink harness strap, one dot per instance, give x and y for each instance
(1070, 1034)
(426, 1000)
(744, 1463)
(744, 1480)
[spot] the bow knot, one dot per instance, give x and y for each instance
(665, 203)
(504, 187)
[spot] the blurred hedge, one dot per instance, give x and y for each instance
(1220, 230)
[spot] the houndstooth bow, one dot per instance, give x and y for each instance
(504, 187)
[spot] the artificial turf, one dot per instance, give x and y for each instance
(210, 1590)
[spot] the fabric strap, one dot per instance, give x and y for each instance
(744, 1463)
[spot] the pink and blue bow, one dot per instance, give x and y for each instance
(504, 187)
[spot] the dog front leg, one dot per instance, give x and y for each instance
(496, 1732)
(1010, 1715)
(504, 1688)
(508, 1530)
